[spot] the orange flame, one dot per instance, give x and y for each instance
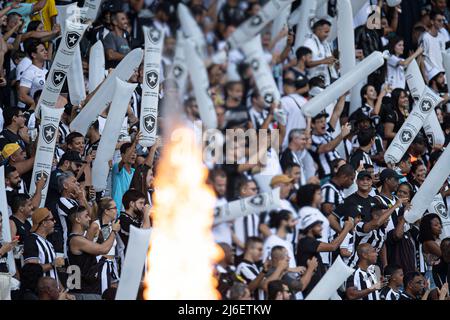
(182, 249)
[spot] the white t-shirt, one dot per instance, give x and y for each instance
(275, 240)
(325, 228)
(292, 105)
(22, 66)
(320, 50)
(395, 72)
(222, 231)
(433, 47)
(34, 79)
(348, 244)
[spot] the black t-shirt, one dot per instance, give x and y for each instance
(359, 155)
(401, 252)
(52, 194)
(3, 262)
(7, 136)
(23, 229)
(365, 204)
(307, 248)
(125, 222)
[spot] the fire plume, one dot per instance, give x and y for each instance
(182, 249)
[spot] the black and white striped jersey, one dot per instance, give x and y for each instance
(375, 238)
(64, 205)
(37, 247)
(333, 194)
(389, 203)
(387, 293)
(324, 159)
(245, 227)
(364, 279)
(249, 272)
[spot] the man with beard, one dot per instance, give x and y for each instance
(414, 286)
(309, 247)
(362, 198)
(83, 252)
(123, 172)
(437, 83)
(15, 186)
(70, 162)
(37, 248)
(137, 213)
(283, 222)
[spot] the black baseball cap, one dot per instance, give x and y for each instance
(388, 174)
(364, 174)
(348, 209)
(72, 156)
(377, 206)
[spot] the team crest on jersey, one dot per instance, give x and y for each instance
(41, 82)
(255, 64)
(258, 201)
(152, 78)
(58, 77)
(217, 212)
(426, 105)
(149, 123)
(406, 136)
(177, 71)
(40, 174)
(49, 132)
(154, 35)
(441, 210)
(256, 21)
(268, 98)
(430, 139)
(72, 39)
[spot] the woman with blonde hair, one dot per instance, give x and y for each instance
(99, 231)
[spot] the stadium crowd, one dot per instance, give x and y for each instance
(338, 196)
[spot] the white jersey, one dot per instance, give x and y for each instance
(433, 47)
(22, 66)
(395, 72)
(34, 79)
(320, 50)
(292, 105)
(273, 241)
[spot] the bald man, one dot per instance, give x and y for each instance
(363, 284)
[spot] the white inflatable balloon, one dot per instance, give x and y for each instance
(344, 84)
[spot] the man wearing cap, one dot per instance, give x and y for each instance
(292, 105)
(389, 180)
(323, 143)
(70, 162)
(309, 246)
(361, 198)
(16, 157)
(37, 249)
